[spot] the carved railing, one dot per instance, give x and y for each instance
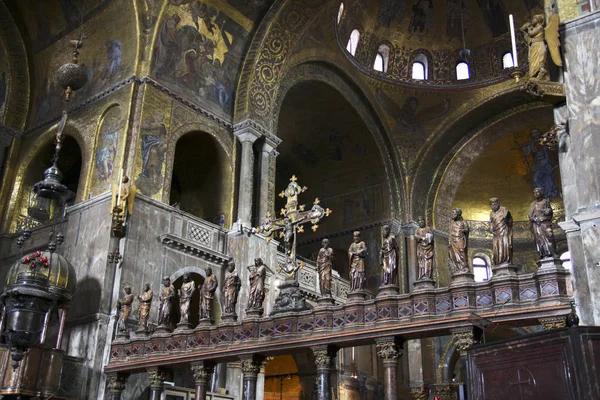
(308, 277)
(519, 301)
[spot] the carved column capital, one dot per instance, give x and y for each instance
(464, 338)
(551, 323)
(202, 371)
(388, 350)
(324, 357)
(157, 376)
(419, 393)
(251, 365)
(116, 382)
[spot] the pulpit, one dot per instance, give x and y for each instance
(558, 364)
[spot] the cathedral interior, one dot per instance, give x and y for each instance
(299, 199)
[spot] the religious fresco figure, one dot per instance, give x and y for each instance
(425, 254)
(124, 308)
(256, 295)
(356, 257)
(540, 219)
(458, 243)
(188, 287)
(422, 17)
(145, 300)
(537, 37)
(231, 288)
(106, 152)
(457, 16)
(154, 146)
(543, 164)
(501, 225)
(324, 267)
(207, 294)
(166, 302)
(388, 258)
(167, 47)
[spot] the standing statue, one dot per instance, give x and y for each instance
(535, 35)
(458, 244)
(124, 308)
(231, 288)
(185, 298)
(145, 300)
(424, 237)
(125, 198)
(258, 272)
(324, 267)
(501, 223)
(356, 256)
(540, 218)
(388, 258)
(166, 302)
(207, 294)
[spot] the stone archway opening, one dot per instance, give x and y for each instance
(282, 380)
(201, 181)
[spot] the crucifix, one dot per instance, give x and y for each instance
(293, 216)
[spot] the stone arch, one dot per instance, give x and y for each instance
(314, 70)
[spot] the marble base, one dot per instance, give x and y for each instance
(424, 284)
(162, 329)
(290, 299)
(142, 332)
(504, 270)
(463, 277)
(122, 335)
(204, 322)
(325, 301)
(232, 317)
(388, 290)
(183, 326)
(550, 263)
(255, 313)
(357, 295)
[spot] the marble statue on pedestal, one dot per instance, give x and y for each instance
(356, 256)
(388, 258)
(501, 224)
(207, 294)
(458, 235)
(258, 272)
(145, 300)
(425, 254)
(166, 302)
(185, 297)
(124, 308)
(540, 219)
(324, 267)
(231, 288)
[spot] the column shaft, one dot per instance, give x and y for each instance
(250, 368)
(202, 374)
(266, 191)
(324, 359)
(390, 352)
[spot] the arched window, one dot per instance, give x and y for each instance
(419, 69)
(480, 269)
(462, 71)
(382, 58)
(353, 42)
(340, 13)
(507, 60)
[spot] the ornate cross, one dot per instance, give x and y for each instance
(293, 216)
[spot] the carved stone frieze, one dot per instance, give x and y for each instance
(551, 323)
(193, 248)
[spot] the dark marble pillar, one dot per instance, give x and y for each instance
(116, 385)
(247, 135)
(202, 374)
(324, 359)
(389, 349)
(157, 377)
(250, 368)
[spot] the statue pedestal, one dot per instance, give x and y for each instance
(387, 290)
(550, 264)
(183, 326)
(357, 295)
(462, 277)
(229, 317)
(424, 284)
(122, 335)
(504, 270)
(162, 329)
(205, 322)
(290, 299)
(255, 313)
(142, 332)
(325, 301)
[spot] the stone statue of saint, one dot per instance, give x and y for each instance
(185, 297)
(166, 302)
(258, 272)
(458, 243)
(356, 256)
(124, 308)
(535, 36)
(231, 288)
(125, 198)
(540, 218)
(424, 237)
(388, 258)
(501, 223)
(324, 267)
(207, 294)
(145, 300)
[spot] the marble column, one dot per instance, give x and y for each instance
(116, 385)
(250, 368)
(579, 154)
(266, 190)
(247, 135)
(157, 377)
(390, 352)
(324, 360)
(202, 374)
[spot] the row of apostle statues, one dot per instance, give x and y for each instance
(167, 299)
(501, 226)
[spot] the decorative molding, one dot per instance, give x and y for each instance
(193, 249)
